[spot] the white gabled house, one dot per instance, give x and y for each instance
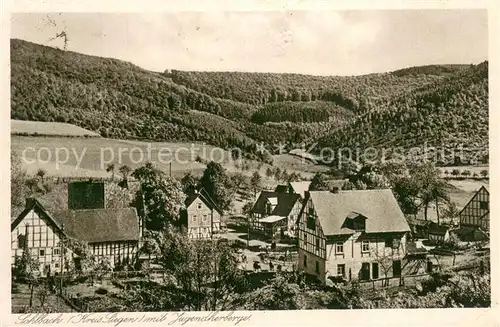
(202, 217)
(357, 234)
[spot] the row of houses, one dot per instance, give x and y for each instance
(357, 234)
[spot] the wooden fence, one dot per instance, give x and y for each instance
(401, 280)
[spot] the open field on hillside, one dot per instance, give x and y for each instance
(22, 127)
(89, 157)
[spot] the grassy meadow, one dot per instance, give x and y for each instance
(24, 127)
(63, 156)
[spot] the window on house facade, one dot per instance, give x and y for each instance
(305, 261)
(396, 243)
(194, 218)
(55, 251)
(199, 205)
(483, 205)
(204, 218)
(341, 270)
(56, 265)
(389, 242)
(310, 211)
(317, 267)
(42, 252)
(317, 244)
(365, 246)
(339, 248)
(311, 222)
(21, 240)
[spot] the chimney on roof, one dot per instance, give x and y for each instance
(86, 195)
(335, 190)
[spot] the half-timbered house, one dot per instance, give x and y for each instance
(34, 230)
(476, 213)
(275, 213)
(351, 234)
(110, 233)
(201, 216)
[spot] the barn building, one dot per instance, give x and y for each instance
(111, 233)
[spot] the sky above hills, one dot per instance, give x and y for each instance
(319, 43)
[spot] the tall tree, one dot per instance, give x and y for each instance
(125, 171)
(162, 197)
(205, 272)
(406, 191)
(430, 186)
(269, 172)
(217, 184)
(255, 181)
(111, 169)
(41, 173)
(189, 183)
(18, 188)
(318, 183)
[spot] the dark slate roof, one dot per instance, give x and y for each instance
(202, 194)
(281, 188)
(436, 229)
(99, 225)
(286, 202)
(378, 206)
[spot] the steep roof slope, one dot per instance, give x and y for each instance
(100, 225)
(378, 206)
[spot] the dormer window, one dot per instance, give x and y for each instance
(355, 221)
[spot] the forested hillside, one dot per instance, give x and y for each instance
(120, 100)
(354, 93)
(448, 113)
